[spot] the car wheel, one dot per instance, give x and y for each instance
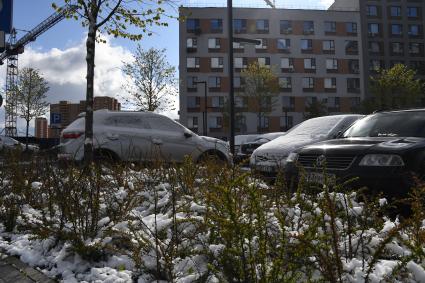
(212, 157)
(105, 156)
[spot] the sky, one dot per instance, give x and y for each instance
(59, 53)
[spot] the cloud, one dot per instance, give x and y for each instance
(65, 71)
(326, 3)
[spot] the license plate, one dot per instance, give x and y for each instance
(319, 178)
(268, 169)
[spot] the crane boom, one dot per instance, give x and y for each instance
(45, 25)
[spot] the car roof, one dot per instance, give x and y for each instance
(400, 110)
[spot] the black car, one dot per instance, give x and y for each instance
(383, 152)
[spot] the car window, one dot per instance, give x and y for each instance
(345, 124)
(396, 124)
(128, 121)
(321, 126)
(164, 124)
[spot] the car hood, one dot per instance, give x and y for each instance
(284, 145)
(366, 145)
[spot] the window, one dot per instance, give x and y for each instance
(308, 27)
(214, 82)
(286, 122)
(330, 27)
(215, 122)
(330, 83)
(396, 62)
(419, 66)
(193, 25)
(240, 62)
(192, 62)
(264, 61)
(191, 82)
(213, 43)
(306, 44)
(283, 44)
(240, 123)
(193, 101)
(397, 48)
(373, 29)
(354, 101)
(192, 122)
(264, 122)
(308, 83)
(414, 30)
(263, 44)
(285, 83)
(372, 10)
(288, 102)
(332, 64)
(395, 11)
(328, 45)
(286, 63)
(191, 43)
(238, 45)
(396, 29)
(241, 102)
(415, 48)
(285, 27)
(375, 65)
(354, 66)
(237, 82)
(351, 47)
(217, 62)
(239, 25)
(216, 25)
(412, 12)
(309, 63)
(309, 100)
(351, 27)
(262, 26)
(374, 47)
(217, 101)
(353, 85)
(333, 103)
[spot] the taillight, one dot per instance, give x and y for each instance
(72, 135)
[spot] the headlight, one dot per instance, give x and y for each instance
(292, 157)
(381, 160)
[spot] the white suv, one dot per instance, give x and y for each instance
(139, 136)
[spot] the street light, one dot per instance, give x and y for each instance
(205, 117)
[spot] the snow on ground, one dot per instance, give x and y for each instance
(133, 246)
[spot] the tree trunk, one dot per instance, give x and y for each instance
(88, 142)
(26, 136)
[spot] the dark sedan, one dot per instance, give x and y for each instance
(382, 152)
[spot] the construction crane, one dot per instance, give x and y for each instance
(13, 49)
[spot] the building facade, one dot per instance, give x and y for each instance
(316, 54)
(41, 128)
(64, 113)
(393, 32)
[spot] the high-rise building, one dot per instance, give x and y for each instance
(41, 128)
(64, 113)
(392, 31)
(316, 54)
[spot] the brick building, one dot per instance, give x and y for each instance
(41, 127)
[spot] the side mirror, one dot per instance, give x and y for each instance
(187, 135)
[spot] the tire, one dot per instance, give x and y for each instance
(212, 157)
(105, 156)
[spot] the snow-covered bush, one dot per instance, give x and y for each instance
(190, 223)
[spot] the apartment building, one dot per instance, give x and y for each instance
(393, 32)
(41, 128)
(316, 54)
(64, 113)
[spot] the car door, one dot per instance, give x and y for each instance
(128, 135)
(169, 140)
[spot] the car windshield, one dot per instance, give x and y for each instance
(396, 124)
(315, 127)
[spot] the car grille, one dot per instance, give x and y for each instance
(339, 162)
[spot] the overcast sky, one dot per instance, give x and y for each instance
(60, 52)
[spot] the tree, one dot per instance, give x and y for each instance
(112, 17)
(316, 108)
(261, 86)
(31, 96)
(153, 80)
(395, 88)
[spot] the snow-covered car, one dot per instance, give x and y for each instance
(247, 148)
(269, 158)
(8, 143)
(139, 136)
